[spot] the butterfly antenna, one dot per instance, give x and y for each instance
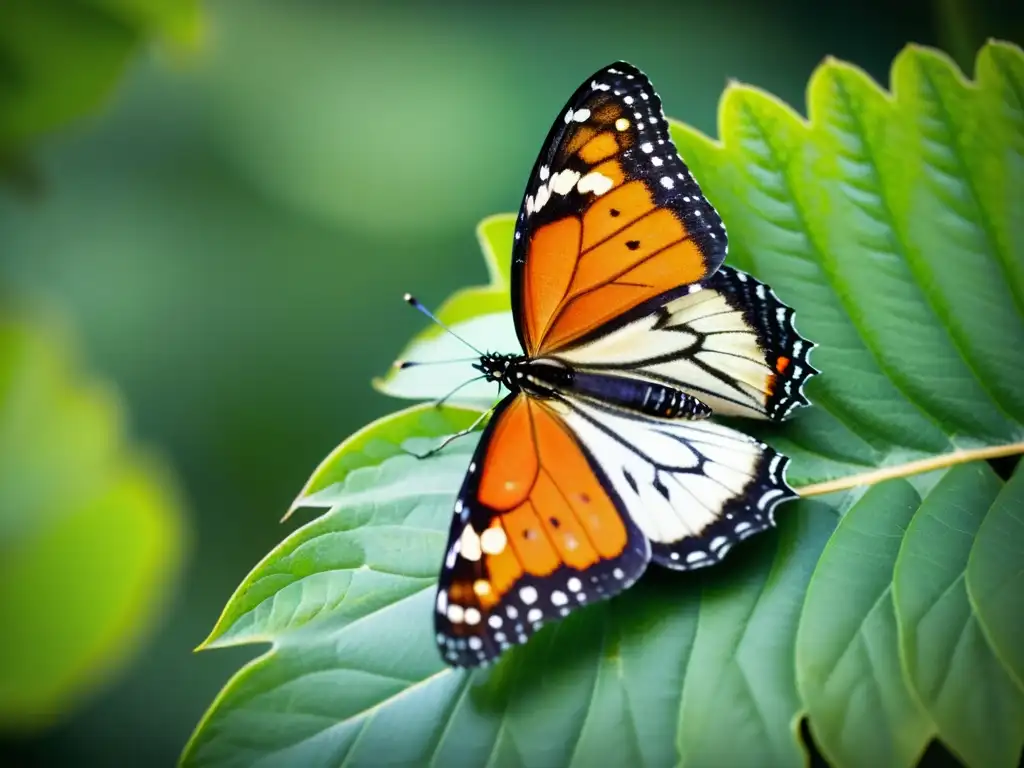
(415, 303)
(403, 364)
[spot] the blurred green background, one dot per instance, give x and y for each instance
(229, 232)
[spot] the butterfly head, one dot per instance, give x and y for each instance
(502, 368)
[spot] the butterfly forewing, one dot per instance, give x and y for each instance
(612, 218)
(535, 535)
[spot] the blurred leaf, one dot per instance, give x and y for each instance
(59, 59)
(887, 220)
(90, 534)
(977, 708)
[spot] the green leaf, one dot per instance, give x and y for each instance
(893, 223)
(90, 531)
(975, 705)
(860, 708)
(995, 579)
(60, 59)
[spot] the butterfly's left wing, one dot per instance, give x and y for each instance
(536, 534)
(612, 218)
(695, 488)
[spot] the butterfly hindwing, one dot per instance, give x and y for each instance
(728, 341)
(694, 488)
(612, 218)
(535, 534)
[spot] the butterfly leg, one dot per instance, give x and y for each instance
(441, 401)
(452, 438)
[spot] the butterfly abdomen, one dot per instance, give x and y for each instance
(644, 397)
(648, 398)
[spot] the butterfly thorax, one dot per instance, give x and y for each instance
(546, 378)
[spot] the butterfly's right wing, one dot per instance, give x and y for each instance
(729, 342)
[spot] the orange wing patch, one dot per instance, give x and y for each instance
(564, 516)
(629, 252)
(601, 147)
(551, 513)
(548, 278)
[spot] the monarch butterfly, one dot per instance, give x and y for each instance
(600, 459)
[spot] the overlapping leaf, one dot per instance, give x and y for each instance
(892, 222)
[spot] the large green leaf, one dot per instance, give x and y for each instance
(892, 223)
(90, 532)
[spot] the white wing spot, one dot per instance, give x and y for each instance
(628, 99)
(470, 544)
(476, 643)
(575, 584)
(657, 161)
(512, 613)
(594, 182)
(667, 183)
(544, 173)
(558, 598)
(562, 182)
(647, 147)
(528, 595)
(493, 540)
(695, 556)
(618, 574)
(718, 542)
(455, 614)
(472, 616)
(534, 615)
(581, 115)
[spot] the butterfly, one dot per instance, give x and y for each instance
(601, 459)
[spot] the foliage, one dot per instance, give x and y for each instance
(89, 529)
(885, 613)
